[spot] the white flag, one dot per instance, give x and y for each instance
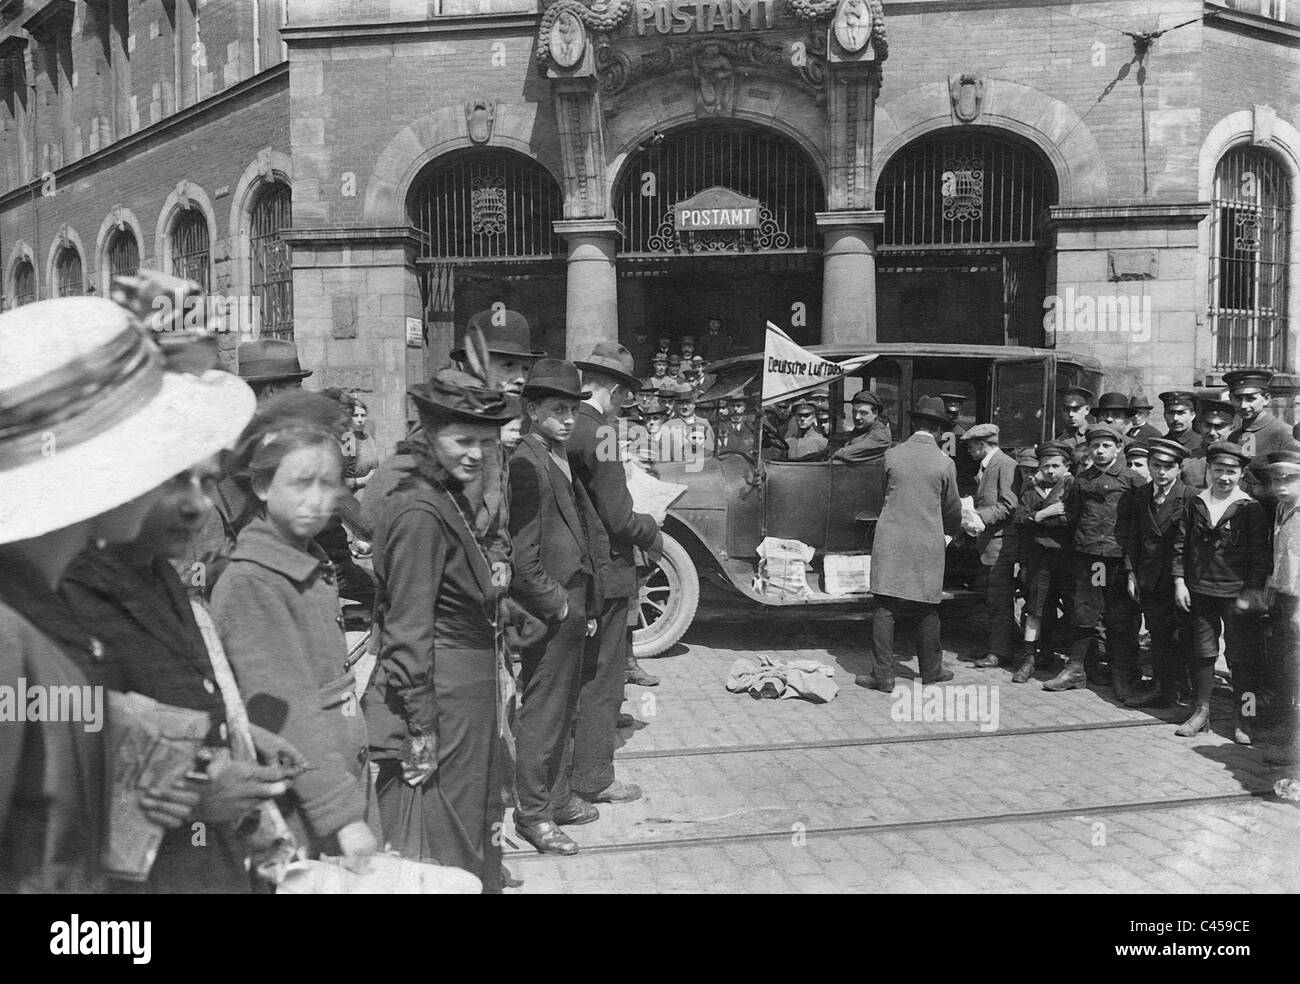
(789, 370)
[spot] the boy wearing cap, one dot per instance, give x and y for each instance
(1180, 412)
(1151, 521)
(1098, 595)
(557, 535)
(870, 437)
(1046, 537)
(1135, 456)
(1139, 429)
(1219, 570)
(996, 496)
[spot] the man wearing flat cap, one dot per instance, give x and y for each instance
(1150, 520)
(921, 511)
(996, 496)
(1180, 413)
(609, 374)
(870, 437)
(557, 536)
(1139, 429)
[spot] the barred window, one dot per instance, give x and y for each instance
(271, 275)
(1249, 254)
(123, 255)
(191, 252)
(67, 273)
(24, 283)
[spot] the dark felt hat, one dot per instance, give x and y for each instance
(1139, 402)
(1216, 411)
(1228, 450)
(612, 359)
(454, 395)
(1162, 447)
(867, 397)
(931, 408)
(1178, 398)
(1114, 401)
(512, 337)
(555, 377)
(267, 360)
(1243, 379)
(684, 392)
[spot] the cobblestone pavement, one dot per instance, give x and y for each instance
(1032, 792)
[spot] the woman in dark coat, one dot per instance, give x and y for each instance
(433, 710)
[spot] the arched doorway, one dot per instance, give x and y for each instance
(719, 218)
(962, 256)
(486, 221)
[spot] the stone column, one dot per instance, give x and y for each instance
(591, 314)
(849, 275)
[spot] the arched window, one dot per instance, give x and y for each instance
(271, 275)
(123, 255)
(1249, 254)
(67, 273)
(190, 247)
(24, 283)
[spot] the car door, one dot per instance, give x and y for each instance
(1021, 397)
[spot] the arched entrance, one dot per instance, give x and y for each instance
(486, 221)
(962, 256)
(719, 218)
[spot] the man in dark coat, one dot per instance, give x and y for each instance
(1260, 433)
(1180, 412)
(1150, 516)
(870, 437)
(1138, 428)
(1076, 403)
(1216, 419)
(1114, 409)
(715, 344)
(996, 497)
(608, 373)
(556, 534)
(921, 511)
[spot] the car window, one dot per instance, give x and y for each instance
(1018, 395)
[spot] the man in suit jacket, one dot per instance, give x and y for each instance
(920, 510)
(996, 496)
(608, 373)
(1139, 429)
(556, 533)
(1149, 518)
(870, 437)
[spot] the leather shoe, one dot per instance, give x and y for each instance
(988, 662)
(625, 721)
(547, 838)
(616, 792)
(1197, 723)
(1025, 672)
(943, 677)
(969, 657)
(874, 683)
(639, 677)
(575, 813)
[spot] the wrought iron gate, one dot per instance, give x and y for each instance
(271, 276)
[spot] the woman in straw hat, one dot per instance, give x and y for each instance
(433, 713)
(277, 611)
(82, 389)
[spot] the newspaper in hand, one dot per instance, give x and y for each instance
(148, 744)
(649, 494)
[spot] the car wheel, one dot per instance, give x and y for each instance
(669, 593)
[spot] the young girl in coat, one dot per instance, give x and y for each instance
(277, 610)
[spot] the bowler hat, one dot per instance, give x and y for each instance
(1227, 450)
(1217, 412)
(450, 394)
(266, 360)
(931, 408)
(867, 397)
(1243, 379)
(1104, 430)
(982, 432)
(512, 337)
(555, 377)
(612, 359)
(1175, 398)
(1162, 447)
(1139, 402)
(1114, 401)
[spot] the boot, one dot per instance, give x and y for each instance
(1241, 727)
(1073, 677)
(1197, 723)
(635, 675)
(1025, 672)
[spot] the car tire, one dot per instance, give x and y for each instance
(668, 595)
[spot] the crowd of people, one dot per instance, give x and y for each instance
(1193, 533)
(192, 535)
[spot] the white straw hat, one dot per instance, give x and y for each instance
(89, 418)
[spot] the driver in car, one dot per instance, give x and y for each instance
(871, 436)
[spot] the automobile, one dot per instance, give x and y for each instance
(738, 497)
